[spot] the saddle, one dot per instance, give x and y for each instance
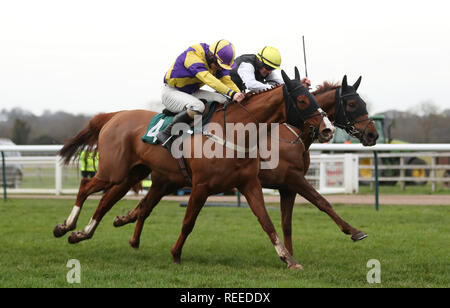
(163, 119)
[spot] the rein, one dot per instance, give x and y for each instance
(295, 117)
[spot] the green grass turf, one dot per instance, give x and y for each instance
(227, 248)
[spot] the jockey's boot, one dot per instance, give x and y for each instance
(165, 136)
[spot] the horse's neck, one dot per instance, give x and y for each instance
(265, 107)
(306, 138)
(326, 102)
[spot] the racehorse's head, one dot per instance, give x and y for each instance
(351, 114)
(303, 110)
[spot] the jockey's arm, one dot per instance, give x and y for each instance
(247, 73)
(226, 79)
(275, 77)
(197, 67)
(239, 96)
(209, 79)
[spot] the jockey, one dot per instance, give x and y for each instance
(197, 66)
(257, 72)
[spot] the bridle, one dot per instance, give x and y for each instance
(298, 118)
(295, 116)
(345, 120)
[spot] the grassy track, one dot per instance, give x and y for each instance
(226, 249)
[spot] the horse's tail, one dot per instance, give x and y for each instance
(86, 138)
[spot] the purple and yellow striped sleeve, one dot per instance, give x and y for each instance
(190, 72)
(229, 83)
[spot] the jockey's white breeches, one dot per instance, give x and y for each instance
(177, 101)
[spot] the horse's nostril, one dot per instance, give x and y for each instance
(372, 136)
(326, 131)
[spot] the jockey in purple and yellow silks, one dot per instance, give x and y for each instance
(197, 66)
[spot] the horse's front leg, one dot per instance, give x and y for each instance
(146, 206)
(305, 189)
(196, 201)
(252, 191)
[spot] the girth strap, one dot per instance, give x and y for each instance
(183, 169)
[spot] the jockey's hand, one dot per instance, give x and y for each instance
(306, 82)
(238, 97)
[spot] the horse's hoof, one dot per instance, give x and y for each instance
(359, 236)
(60, 230)
(134, 245)
(296, 267)
(76, 237)
(176, 259)
(118, 221)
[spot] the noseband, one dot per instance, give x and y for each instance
(348, 124)
(297, 117)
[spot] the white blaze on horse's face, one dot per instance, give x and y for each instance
(328, 123)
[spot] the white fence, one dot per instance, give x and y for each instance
(329, 173)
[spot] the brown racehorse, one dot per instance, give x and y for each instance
(344, 107)
(124, 160)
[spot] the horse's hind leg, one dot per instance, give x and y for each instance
(252, 191)
(87, 187)
(160, 187)
(111, 197)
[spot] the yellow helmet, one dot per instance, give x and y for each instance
(270, 56)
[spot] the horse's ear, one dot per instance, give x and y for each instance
(344, 82)
(285, 78)
(297, 74)
(356, 85)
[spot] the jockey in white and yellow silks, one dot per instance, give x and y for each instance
(197, 66)
(255, 72)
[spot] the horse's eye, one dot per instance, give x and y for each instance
(302, 102)
(352, 105)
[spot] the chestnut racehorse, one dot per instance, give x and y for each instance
(124, 159)
(344, 107)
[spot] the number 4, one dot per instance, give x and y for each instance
(155, 130)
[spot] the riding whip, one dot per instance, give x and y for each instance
(304, 55)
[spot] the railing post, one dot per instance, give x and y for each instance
(5, 197)
(322, 174)
(351, 169)
(58, 176)
(402, 173)
(433, 172)
(375, 157)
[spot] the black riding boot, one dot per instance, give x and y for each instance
(165, 135)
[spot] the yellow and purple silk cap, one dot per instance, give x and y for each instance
(224, 52)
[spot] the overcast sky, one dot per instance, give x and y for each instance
(103, 56)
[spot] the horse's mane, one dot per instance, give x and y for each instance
(254, 93)
(250, 95)
(325, 87)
